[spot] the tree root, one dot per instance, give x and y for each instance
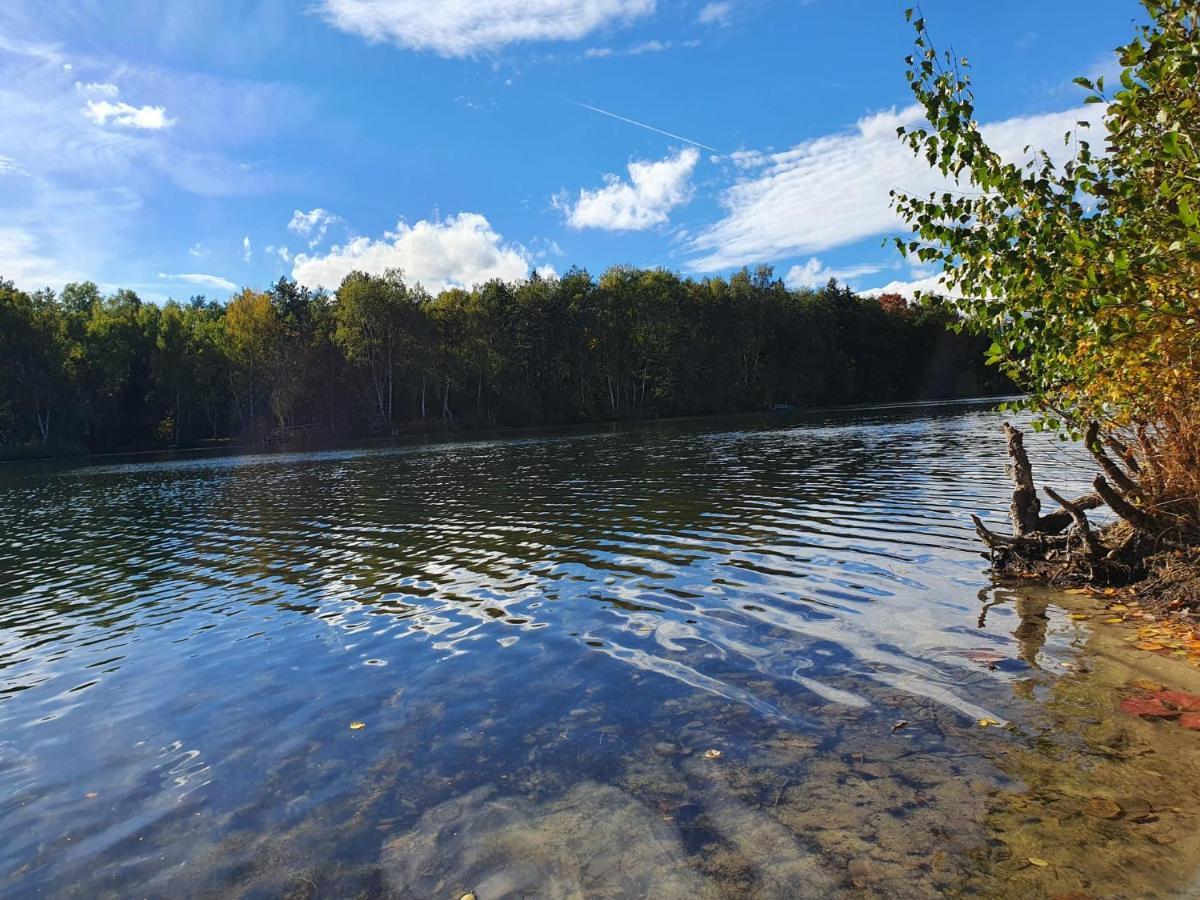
(1064, 548)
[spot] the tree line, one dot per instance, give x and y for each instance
(83, 371)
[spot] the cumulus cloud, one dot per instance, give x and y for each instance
(814, 273)
(715, 13)
(833, 190)
(312, 224)
(460, 251)
(918, 281)
(210, 281)
(462, 29)
(152, 118)
(645, 200)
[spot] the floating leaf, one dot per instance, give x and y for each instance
(712, 754)
(985, 722)
(1190, 720)
(357, 726)
(1102, 808)
(1180, 700)
(899, 725)
(91, 795)
(1151, 646)
(1147, 684)
(1080, 616)
(1038, 861)
(1148, 707)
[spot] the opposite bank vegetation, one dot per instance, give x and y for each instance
(1086, 277)
(83, 371)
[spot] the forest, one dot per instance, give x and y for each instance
(84, 372)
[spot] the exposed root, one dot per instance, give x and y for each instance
(1155, 553)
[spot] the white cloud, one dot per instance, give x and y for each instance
(197, 250)
(653, 190)
(465, 28)
(918, 281)
(282, 252)
(97, 87)
(211, 281)
(814, 273)
(460, 251)
(312, 224)
(654, 46)
(715, 13)
(22, 259)
(833, 190)
(151, 118)
(597, 52)
(247, 252)
(9, 166)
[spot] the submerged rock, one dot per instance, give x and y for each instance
(595, 841)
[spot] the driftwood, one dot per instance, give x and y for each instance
(1025, 506)
(1094, 548)
(1064, 546)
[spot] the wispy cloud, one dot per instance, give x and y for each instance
(834, 190)
(196, 278)
(814, 273)
(313, 224)
(247, 251)
(620, 118)
(465, 29)
(123, 114)
(715, 13)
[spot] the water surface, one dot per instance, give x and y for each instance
(712, 658)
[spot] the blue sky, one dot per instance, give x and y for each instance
(190, 146)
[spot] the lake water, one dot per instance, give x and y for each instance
(709, 658)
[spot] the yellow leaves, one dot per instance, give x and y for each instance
(712, 754)
(357, 726)
(1147, 684)
(986, 722)
(1038, 861)
(1149, 646)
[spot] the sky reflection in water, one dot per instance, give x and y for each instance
(543, 629)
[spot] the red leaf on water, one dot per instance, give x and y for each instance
(1150, 707)
(1180, 700)
(1190, 720)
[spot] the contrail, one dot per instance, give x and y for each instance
(678, 137)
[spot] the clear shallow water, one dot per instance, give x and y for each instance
(544, 638)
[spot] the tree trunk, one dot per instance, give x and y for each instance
(1025, 506)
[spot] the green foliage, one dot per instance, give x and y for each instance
(382, 355)
(1082, 274)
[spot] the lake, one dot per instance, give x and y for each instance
(706, 658)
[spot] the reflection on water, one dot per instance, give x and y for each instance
(710, 658)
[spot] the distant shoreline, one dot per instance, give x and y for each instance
(452, 432)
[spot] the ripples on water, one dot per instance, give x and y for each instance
(183, 644)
